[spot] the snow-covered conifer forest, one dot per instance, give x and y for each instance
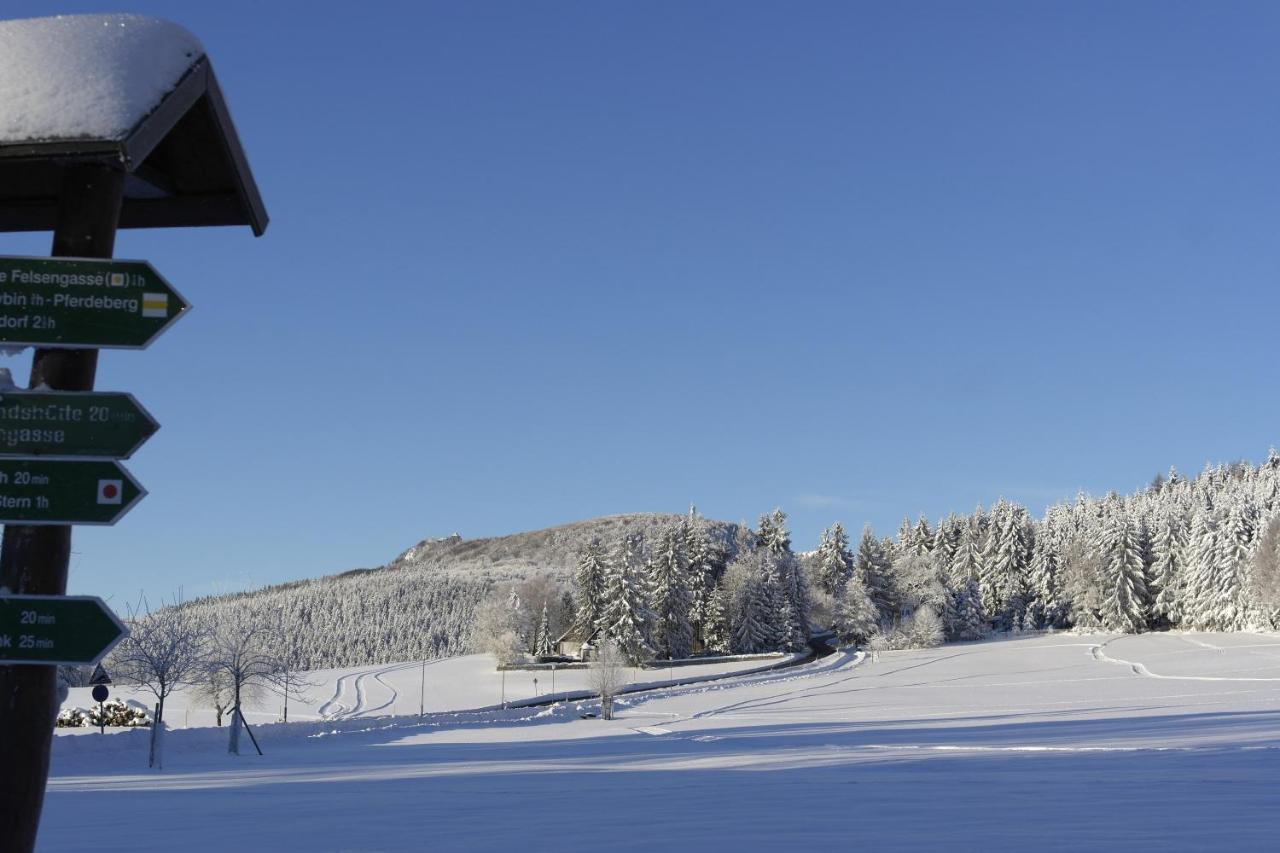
(1200, 552)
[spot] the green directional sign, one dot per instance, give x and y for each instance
(56, 629)
(81, 303)
(72, 423)
(47, 491)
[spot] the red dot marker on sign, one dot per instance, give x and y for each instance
(110, 490)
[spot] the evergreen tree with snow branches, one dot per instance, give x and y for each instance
(1125, 605)
(589, 581)
(1167, 580)
(873, 568)
(543, 645)
(772, 534)
(1200, 591)
(625, 617)
(715, 623)
(753, 629)
(966, 564)
(965, 619)
(672, 599)
(834, 560)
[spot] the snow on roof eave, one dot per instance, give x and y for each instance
(197, 92)
(87, 76)
(132, 145)
(152, 90)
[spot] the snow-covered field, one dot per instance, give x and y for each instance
(1167, 742)
(448, 684)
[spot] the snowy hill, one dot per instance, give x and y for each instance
(551, 551)
(422, 604)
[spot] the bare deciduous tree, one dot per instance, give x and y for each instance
(164, 650)
(498, 627)
(242, 656)
(607, 675)
(215, 688)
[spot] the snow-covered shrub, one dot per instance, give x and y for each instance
(113, 712)
(924, 629)
(72, 718)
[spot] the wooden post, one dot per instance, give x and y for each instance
(245, 723)
(34, 559)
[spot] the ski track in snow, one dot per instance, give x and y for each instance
(337, 706)
(333, 708)
(1141, 669)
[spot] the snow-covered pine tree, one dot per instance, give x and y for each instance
(873, 569)
(966, 619)
(923, 537)
(589, 581)
(906, 536)
(624, 617)
(1002, 571)
(781, 616)
(672, 599)
(945, 541)
(834, 559)
(1043, 608)
(752, 631)
(543, 644)
(1200, 588)
(773, 535)
(696, 577)
(1234, 550)
(797, 590)
(965, 564)
(715, 624)
(1167, 569)
(1125, 605)
(785, 583)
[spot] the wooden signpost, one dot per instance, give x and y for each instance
(180, 165)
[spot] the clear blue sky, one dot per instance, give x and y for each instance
(536, 262)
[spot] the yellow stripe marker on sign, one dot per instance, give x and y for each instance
(155, 305)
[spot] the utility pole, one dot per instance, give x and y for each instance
(422, 691)
(34, 559)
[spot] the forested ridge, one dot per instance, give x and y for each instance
(1183, 552)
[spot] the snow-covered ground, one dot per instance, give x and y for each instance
(448, 684)
(1167, 742)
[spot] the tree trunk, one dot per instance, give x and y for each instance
(157, 732)
(234, 746)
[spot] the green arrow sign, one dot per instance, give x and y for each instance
(81, 302)
(45, 491)
(56, 629)
(72, 423)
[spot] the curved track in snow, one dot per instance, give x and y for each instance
(1139, 668)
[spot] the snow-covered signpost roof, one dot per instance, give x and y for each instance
(133, 91)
